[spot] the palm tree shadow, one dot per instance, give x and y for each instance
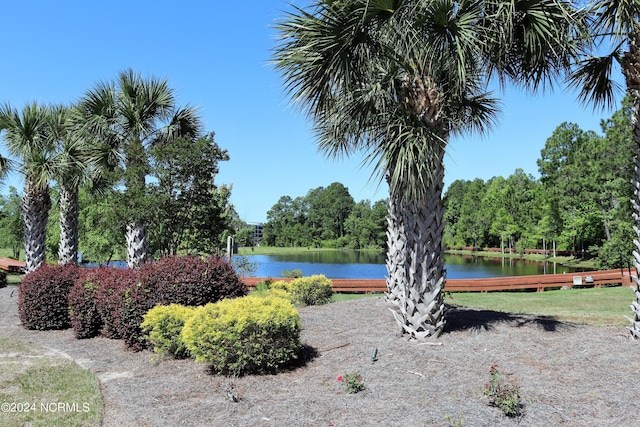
(471, 319)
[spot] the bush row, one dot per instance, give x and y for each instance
(254, 334)
(112, 302)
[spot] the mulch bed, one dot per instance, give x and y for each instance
(569, 374)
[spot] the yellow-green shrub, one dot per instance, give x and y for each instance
(281, 285)
(252, 334)
(278, 292)
(311, 290)
(163, 325)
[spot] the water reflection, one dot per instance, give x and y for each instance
(370, 265)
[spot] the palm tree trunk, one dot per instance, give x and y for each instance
(415, 258)
(631, 71)
(68, 249)
(136, 244)
(136, 170)
(35, 210)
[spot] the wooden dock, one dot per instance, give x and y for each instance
(509, 283)
(11, 265)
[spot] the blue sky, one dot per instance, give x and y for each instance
(215, 56)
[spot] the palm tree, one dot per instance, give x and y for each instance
(396, 80)
(616, 22)
(29, 137)
(126, 117)
(73, 166)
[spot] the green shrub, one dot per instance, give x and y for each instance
(312, 290)
(503, 395)
(266, 289)
(163, 325)
(252, 334)
(291, 274)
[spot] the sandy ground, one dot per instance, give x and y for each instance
(574, 375)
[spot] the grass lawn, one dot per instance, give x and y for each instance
(45, 391)
(596, 306)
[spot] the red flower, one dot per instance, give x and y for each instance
(340, 378)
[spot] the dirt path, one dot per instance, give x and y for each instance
(569, 374)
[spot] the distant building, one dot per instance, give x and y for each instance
(257, 231)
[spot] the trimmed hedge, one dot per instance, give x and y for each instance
(83, 309)
(163, 325)
(96, 301)
(113, 301)
(112, 286)
(184, 280)
(311, 290)
(189, 280)
(253, 334)
(43, 299)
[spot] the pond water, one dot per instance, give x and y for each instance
(344, 264)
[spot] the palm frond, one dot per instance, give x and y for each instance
(593, 78)
(185, 123)
(616, 17)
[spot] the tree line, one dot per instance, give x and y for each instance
(581, 203)
(326, 217)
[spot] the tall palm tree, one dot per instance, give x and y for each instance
(616, 22)
(396, 79)
(128, 116)
(29, 137)
(73, 166)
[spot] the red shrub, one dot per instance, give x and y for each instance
(83, 307)
(112, 285)
(191, 281)
(181, 280)
(43, 298)
(113, 301)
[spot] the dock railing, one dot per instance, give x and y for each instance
(508, 283)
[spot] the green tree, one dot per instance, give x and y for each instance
(452, 201)
(613, 168)
(396, 79)
(279, 218)
(472, 223)
(128, 116)
(101, 227)
(585, 178)
(11, 223)
(326, 210)
(359, 226)
(616, 22)
(562, 176)
(188, 208)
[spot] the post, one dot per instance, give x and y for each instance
(229, 248)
